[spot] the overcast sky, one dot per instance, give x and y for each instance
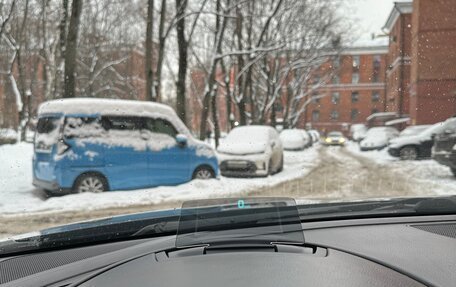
(370, 17)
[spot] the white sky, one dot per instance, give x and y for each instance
(370, 16)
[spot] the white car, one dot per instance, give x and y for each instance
(295, 139)
(377, 138)
(250, 151)
(358, 132)
(413, 130)
(315, 135)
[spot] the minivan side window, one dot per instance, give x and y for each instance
(161, 126)
(122, 123)
(81, 127)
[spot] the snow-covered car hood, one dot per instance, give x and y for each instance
(374, 141)
(405, 140)
(242, 148)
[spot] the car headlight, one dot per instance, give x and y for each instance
(328, 140)
(341, 140)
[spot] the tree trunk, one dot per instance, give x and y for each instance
(161, 50)
(215, 119)
(182, 44)
(71, 50)
(149, 52)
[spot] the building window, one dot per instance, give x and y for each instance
(334, 115)
(354, 114)
(316, 98)
(356, 62)
(355, 97)
(336, 80)
(375, 77)
(355, 78)
(278, 107)
(335, 98)
(315, 116)
(377, 61)
(336, 63)
(374, 111)
(375, 97)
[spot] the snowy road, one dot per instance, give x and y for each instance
(319, 173)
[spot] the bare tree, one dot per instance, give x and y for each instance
(150, 89)
(71, 49)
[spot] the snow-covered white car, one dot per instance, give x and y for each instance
(295, 139)
(413, 130)
(415, 146)
(8, 136)
(358, 132)
(251, 151)
(377, 138)
(315, 135)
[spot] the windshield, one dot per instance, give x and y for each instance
(112, 108)
(335, 134)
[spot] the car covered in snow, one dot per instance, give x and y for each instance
(250, 151)
(8, 136)
(413, 130)
(377, 138)
(444, 149)
(295, 139)
(97, 145)
(358, 132)
(335, 138)
(315, 135)
(415, 146)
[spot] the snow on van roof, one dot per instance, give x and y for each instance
(104, 107)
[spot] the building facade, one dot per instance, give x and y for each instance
(421, 75)
(356, 91)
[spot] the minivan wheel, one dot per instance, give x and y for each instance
(90, 183)
(203, 172)
(408, 153)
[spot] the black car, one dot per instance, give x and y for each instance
(416, 146)
(443, 151)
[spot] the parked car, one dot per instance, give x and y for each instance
(377, 138)
(443, 150)
(295, 139)
(251, 151)
(335, 138)
(97, 145)
(358, 132)
(315, 135)
(415, 146)
(413, 130)
(8, 136)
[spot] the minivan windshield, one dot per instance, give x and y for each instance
(120, 108)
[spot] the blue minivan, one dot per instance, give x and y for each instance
(96, 145)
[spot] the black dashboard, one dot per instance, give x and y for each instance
(402, 251)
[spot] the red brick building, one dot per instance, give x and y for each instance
(421, 76)
(356, 91)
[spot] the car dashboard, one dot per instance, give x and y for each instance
(392, 251)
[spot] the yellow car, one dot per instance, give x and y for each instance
(335, 138)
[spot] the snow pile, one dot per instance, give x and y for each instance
(18, 196)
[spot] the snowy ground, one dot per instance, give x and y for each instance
(428, 176)
(315, 173)
(18, 196)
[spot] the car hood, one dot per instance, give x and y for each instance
(406, 140)
(242, 148)
(376, 141)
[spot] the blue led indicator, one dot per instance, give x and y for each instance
(241, 203)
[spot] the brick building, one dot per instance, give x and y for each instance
(356, 91)
(421, 76)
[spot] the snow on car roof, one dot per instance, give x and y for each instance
(103, 106)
